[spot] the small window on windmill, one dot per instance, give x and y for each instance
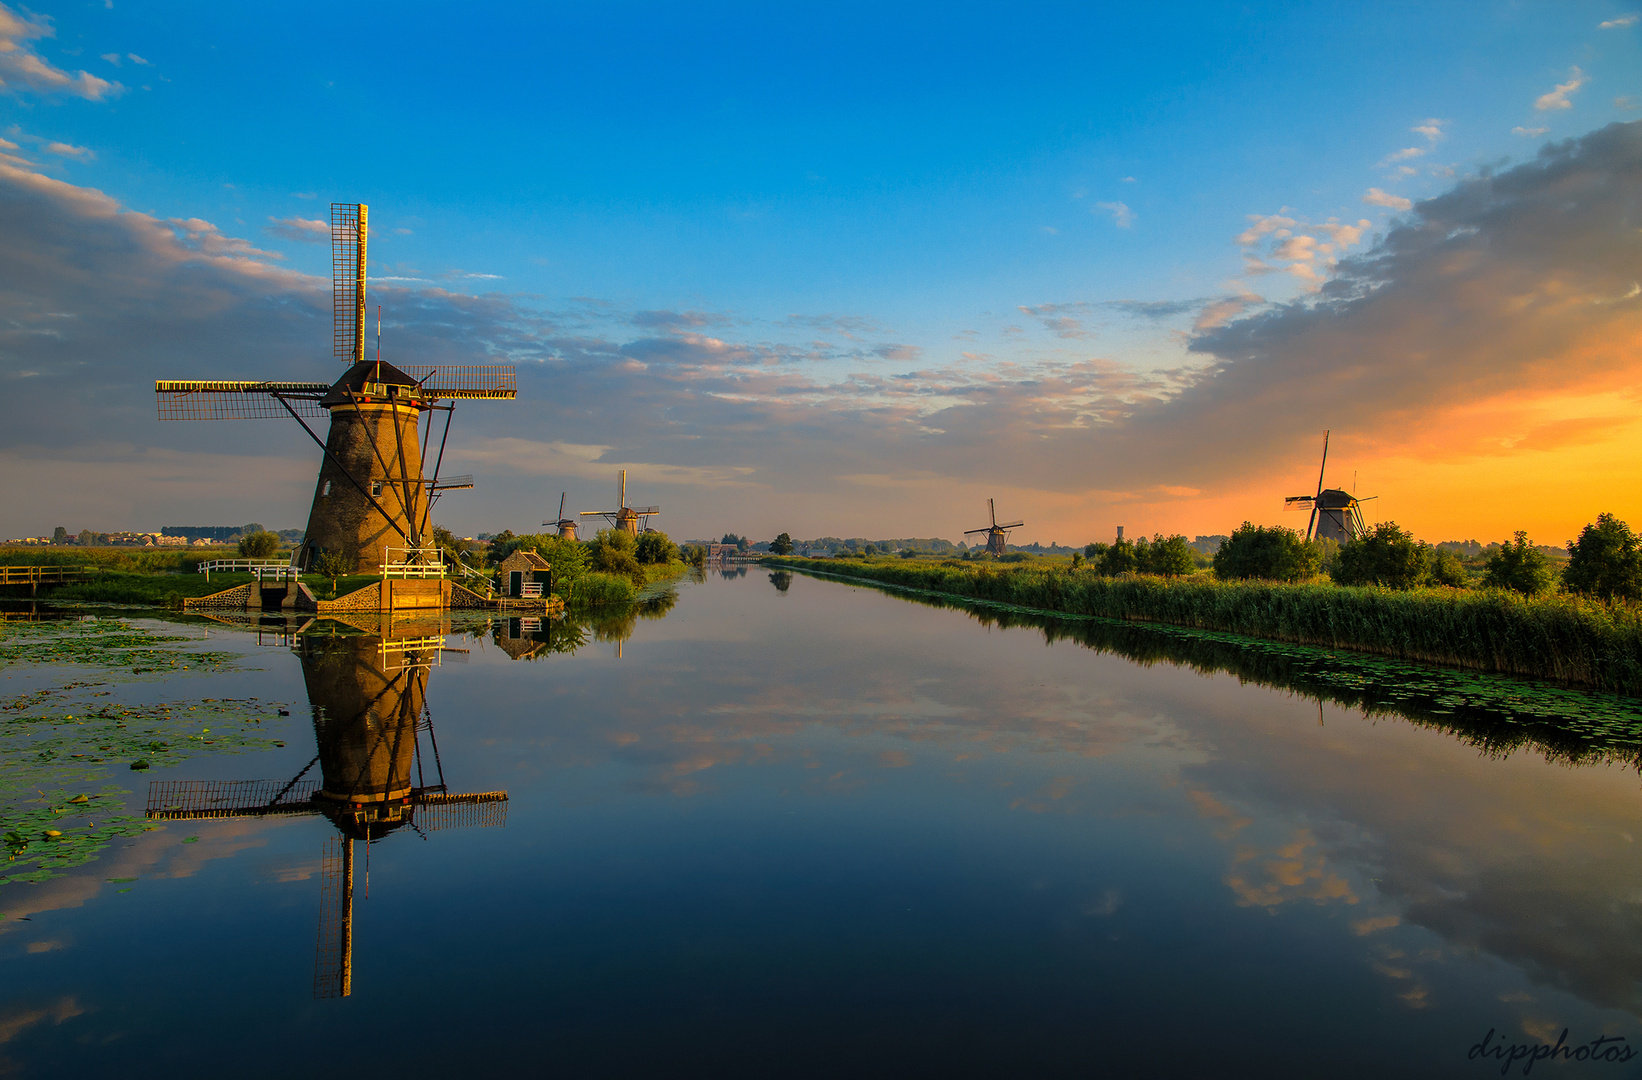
(376, 488)
(326, 493)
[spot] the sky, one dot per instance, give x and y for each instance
(849, 271)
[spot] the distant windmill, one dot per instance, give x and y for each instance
(369, 699)
(1335, 514)
(372, 494)
(567, 526)
(996, 534)
(624, 517)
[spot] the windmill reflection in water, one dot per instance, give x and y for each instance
(369, 699)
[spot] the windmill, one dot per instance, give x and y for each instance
(566, 526)
(372, 495)
(996, 534)
(624, 517)
(1335, 514)
(369, 701)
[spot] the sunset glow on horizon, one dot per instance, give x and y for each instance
(844, 274)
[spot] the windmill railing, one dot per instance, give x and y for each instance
(264, 569)
(412, 563)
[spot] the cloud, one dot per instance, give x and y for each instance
(1558, 98)
(1059, 318)
(1506, 288)
(1376, 197)
(135, 59)
(1122, 216)
(1529, 133)
(1432, 129)
(79, 153)
(1404, 155)
(22, 67)
(112, 57)
(305, 230)
(1618, 23)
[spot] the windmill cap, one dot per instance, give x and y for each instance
(357, 377)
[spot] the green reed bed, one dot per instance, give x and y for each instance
(1558, 637)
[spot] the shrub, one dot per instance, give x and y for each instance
(258, 545)
(1267, 553)
(655, 546)
(1117, 559)
(597, 589)
(1520, 567)
(1446, 569)
(1165, 556)
(1604, 561)
(332, 565)
(1386, 556)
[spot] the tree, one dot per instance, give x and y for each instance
(870, 549)
(1387, 556)
(258, 545)
(655, 546)
(1094, 551)
(781, 545)
(502, 545)
(694, 554)
(1118, 558)
(1605, 561)
(59, 535)
(1077, 560)
(1165, 556)
(1446, 569)
(1519, 566)
(254, 527)
(1267, 553)
(613, 554)
(331, 564)
(567, 557)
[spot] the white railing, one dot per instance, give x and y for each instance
(412, 563)
(262, 568)
(531, 589)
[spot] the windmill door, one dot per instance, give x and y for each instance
(515, 582)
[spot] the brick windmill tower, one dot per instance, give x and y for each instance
(371, 500)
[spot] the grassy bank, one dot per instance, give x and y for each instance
(1556, 637)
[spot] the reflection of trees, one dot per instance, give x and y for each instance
(731, 573)
(565, 636)
(1497, 714)
(782, 580)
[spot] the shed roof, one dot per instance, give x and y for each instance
(524, 559)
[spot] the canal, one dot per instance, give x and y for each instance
(779, 825)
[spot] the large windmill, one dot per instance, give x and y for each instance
(1335, 514)
(566, 526)
(369, 702)
(996, 535)
(624, 517)
(371, 496)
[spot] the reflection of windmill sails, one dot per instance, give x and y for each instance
(369, 702)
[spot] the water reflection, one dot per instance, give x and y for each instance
(368, 694)
(782, 580)
(1498, 715)
(538, 639)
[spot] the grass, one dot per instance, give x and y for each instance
(1557, 637)
(595, 589)
(130, 559)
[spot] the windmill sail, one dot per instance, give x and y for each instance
(333, 956)
(222, 399)
(350, 229)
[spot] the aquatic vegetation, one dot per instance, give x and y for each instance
(111, 643)
(1560, 638)
(61, 746)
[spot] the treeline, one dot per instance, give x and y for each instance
(1559, 636)
(609, 568)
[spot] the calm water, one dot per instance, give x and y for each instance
(796, 827)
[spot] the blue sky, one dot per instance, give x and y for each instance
(862, 191)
